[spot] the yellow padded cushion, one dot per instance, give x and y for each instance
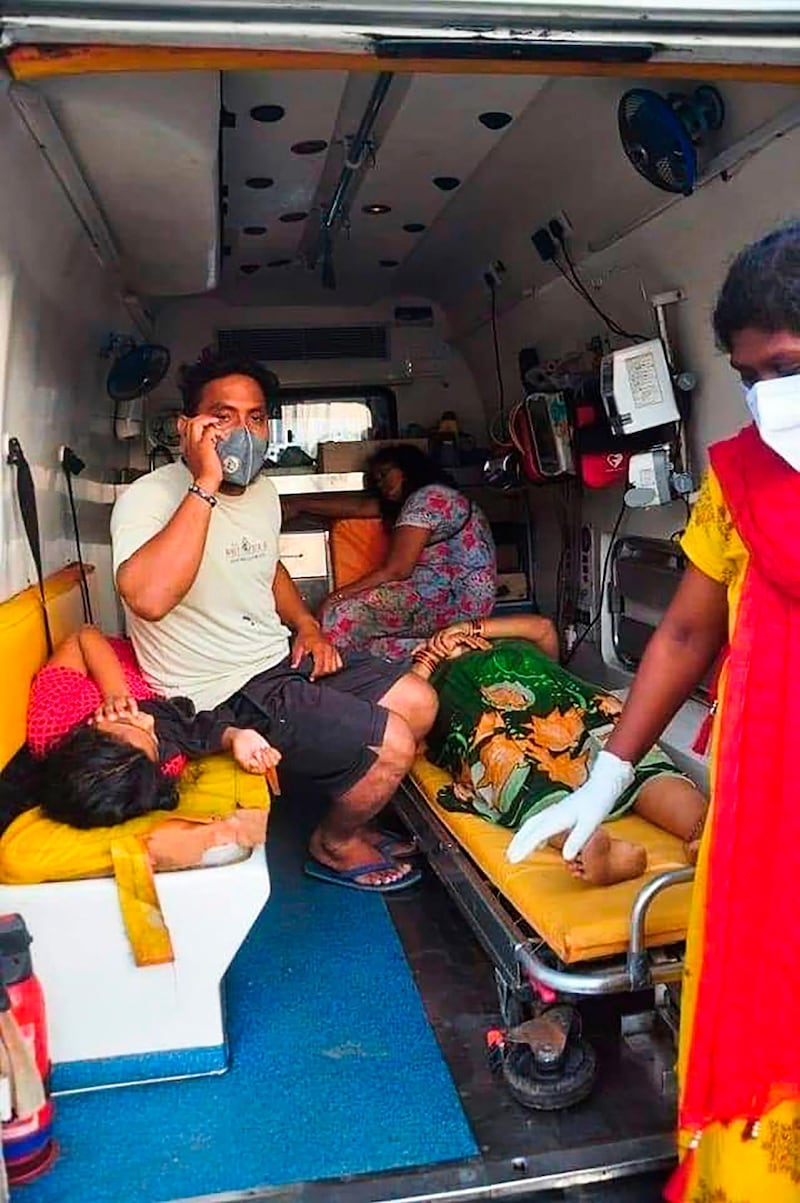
(23, 648)
(578, 922)
(35, 849)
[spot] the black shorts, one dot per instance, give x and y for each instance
(325, 730)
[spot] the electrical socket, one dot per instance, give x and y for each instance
(667, 298)
(494, 274)
(559, 223)
(544, 244)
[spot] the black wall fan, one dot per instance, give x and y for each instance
(661, 134)
(136, 371)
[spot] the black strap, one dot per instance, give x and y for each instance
(85, 596)
(26, 495)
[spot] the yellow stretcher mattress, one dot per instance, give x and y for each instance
(578, 922)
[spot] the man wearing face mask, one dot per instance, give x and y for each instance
(215, 617)
(739, 1063)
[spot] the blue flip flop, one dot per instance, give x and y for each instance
(347, 877)
(389, 838)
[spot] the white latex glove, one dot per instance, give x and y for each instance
(581, 813)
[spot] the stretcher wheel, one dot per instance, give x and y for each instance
(551, 1091)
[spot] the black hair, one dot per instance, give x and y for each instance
(193, 377)
(762, 287)
(417, 468)
(91, 779)
(19, 786)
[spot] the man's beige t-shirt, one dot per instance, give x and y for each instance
(226, 629)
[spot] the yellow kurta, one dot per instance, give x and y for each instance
(726, 1168)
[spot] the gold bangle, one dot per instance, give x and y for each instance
(426, 659)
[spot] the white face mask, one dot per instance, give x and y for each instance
(775, 406)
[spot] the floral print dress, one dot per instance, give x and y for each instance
(454, 579)
(517, 733)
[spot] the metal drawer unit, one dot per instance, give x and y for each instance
(305, 556)
(645, 577)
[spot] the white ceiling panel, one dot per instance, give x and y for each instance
(436, 134)
(262, 150)
(433, 131)
(147, 147)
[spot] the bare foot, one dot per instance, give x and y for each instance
(604, 861)
(352, 853)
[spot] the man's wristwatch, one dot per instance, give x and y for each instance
(198, 492)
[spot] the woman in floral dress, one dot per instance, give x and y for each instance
(439, 568)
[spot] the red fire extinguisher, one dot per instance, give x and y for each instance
(26, 1107)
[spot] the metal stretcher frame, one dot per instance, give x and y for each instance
(517, 953)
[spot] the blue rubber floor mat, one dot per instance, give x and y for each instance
(335, 1069)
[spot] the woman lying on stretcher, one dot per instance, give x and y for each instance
(108, 749)
(517, 733)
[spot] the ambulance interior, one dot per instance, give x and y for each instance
(240, 208)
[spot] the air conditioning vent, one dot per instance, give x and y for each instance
(304, 343)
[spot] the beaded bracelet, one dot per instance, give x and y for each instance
(208, 498)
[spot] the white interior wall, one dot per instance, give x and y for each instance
(56, 310)
(689, 247)
(439, 377)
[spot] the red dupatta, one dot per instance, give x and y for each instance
(744, 1051)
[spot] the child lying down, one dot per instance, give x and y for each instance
(517, 733)
(108, 750)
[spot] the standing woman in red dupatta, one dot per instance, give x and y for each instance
(739, 1064)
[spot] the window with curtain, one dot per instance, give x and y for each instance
(306, 424)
